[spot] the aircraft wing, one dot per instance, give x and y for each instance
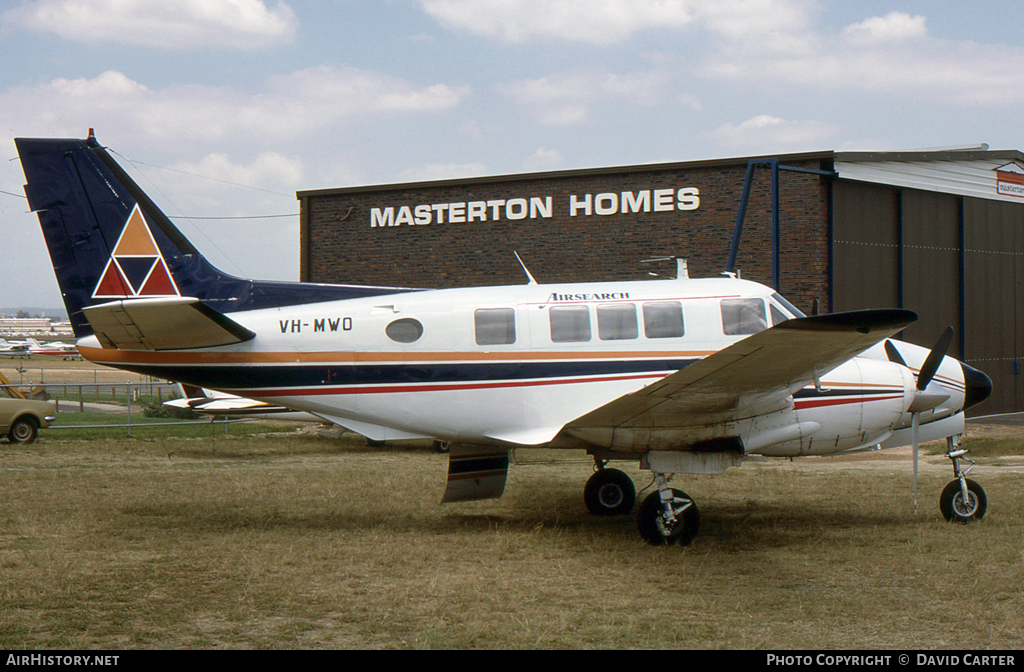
(751, 377)
(166, 323)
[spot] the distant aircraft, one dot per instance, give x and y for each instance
(13, 347)
(54, 348)
(223, 405)
(683, 376)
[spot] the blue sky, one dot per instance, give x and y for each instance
(272, 97)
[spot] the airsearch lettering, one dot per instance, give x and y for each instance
(536, 207)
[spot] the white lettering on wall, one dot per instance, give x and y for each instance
(604, 204)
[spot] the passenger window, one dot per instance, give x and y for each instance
(406, 330)
(741, 317)
(495, 326)
(569, 324)
(778, 317)
(663, 319)
(617, 322)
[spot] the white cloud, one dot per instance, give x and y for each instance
(161, 24)
(690, 101)
(767, 23)
(269, 171)
(892, 26)
(472, 129)
(230, 135)
(888, 55)
(770, 42)
(588, 21)
(765, 132)
(290, 106)
(442, 171)
(544, 159)
(773, 25)
(565, 98)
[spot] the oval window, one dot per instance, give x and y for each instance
(406, 330)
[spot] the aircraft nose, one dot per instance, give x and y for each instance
(977, 386)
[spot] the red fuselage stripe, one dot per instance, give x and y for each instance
(816, 403)
(392, 389)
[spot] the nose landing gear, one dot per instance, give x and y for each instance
(962, 500)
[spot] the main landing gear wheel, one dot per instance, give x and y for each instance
(959, 509)
(609, 492)
(665, 523)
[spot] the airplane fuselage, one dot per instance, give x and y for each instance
(515, 364)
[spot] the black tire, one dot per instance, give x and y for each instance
(652, 526)
(374, 443)
(442, 447)
(609, 492)
(24, 430)
(953, 507)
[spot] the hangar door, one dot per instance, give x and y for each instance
(994, 298)
(955, 261)
(898, 248)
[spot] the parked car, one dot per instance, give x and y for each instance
(21, 419)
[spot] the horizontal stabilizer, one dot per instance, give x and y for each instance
(166, 323)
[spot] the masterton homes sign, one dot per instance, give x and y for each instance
(1010, 180)
(537, 207)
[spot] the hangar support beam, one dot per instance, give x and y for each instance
(776, 167)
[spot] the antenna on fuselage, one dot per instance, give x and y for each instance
(525, 269)
(682, 268)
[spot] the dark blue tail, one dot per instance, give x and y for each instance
(109, 241)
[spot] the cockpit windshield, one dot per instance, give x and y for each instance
(793, 310)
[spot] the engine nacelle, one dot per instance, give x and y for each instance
(858, 404)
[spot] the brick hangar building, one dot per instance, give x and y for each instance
(937, 232)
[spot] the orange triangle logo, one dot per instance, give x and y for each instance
(136, 238)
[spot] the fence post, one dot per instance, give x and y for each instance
(128, 393)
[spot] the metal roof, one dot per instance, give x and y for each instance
(972, 173)
(969, 171)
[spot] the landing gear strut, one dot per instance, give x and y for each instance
(667, 516)
(962, 500)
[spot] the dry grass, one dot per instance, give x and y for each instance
(310, 542)
(49, 369)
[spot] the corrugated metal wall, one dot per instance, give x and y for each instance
(994, 270)
(865, 246)
(931, 265)
(956, 261)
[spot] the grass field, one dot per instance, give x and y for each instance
(302, 541)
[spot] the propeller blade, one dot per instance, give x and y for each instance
(893, 354)
(931, 365)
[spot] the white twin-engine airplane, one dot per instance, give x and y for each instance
(684, 376)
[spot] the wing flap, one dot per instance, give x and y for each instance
(166, 323)
(751, 377)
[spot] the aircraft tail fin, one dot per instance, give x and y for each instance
(109, 241)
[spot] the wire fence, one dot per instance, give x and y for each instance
(93, 392)
(115, 399)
